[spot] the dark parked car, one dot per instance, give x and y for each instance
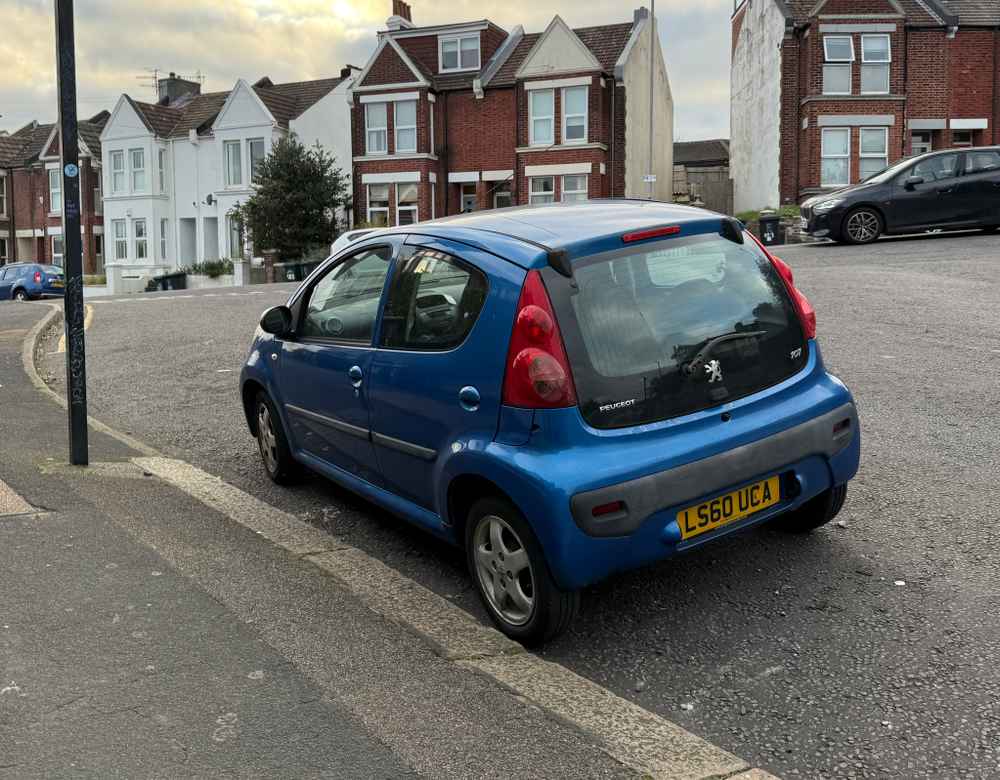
(947, 190)
(29, 281)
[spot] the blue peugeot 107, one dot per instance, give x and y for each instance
(566, 391)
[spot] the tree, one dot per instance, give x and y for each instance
(294, 206)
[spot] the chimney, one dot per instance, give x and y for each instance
(173, 87)
(640, 13)
(400, 18)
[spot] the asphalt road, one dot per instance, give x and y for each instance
(865, 650)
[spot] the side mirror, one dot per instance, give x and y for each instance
(913, 181)
(277, 321)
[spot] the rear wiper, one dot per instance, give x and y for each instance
(692, 365)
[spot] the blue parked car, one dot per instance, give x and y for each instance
(30, 281)
(566, 391)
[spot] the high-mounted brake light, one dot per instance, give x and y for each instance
(658, 232)
(805, 310)
(38, 277)
(538, 374)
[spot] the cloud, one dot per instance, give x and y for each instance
(118, 42)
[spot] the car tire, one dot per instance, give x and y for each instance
(20, 295)
(272, 443)
(815, 512)
(862, 226)
(508, 566)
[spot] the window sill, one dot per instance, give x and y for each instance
(561, 147)
(449, 71)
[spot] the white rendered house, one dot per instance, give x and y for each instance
(174, 170)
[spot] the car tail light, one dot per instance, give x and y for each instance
(538, 374)
(657, 232)
(805, 310)
(38, 277)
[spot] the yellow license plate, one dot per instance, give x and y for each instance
(701, 518)
(57, 284)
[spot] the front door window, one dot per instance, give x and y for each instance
(344, 304)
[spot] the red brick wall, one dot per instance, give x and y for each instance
(490, 41)
(480, 132)
(616, 171)
(597, 184)
(389, 68)
(858, 7)
(971, 60)
(790, 124)
(423, 50)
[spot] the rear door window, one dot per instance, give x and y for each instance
(981, 162)
(634, 321)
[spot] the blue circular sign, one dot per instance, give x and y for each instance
(71, 170)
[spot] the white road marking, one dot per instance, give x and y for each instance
(633, 736)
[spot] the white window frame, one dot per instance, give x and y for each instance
(161, 169)
(585, 115)
(164, 223)
(368, 203)
(3, 194)
(120, 239)
(117, 170)
(863, 155)
(457, 40)
(396, 127)
(140, 241)
(430, 110)
(382, 130)
(415, 208)
(250, 159)
(532, 195)
(962, 145)
(837, 66)
(551, 117)
(55, 189)
(137, 170)
(826, 51)
(98, 193)
(229, 179)
(503, 190)
(57, 257)
(823, 155)
(886, 63)
(585, 191)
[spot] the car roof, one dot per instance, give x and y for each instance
(579, 229)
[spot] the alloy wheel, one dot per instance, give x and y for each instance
(862, 227)
(21, 295)
(266, 438)
(504, 570)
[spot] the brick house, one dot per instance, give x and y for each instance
(30, 169)
(827, 92)
(468, 116)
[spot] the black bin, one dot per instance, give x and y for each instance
(294, 271)
(772, 232)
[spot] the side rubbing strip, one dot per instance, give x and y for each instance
(424, 453)
(329, 422)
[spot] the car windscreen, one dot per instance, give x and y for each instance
(670, 328)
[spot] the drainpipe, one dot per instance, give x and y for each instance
(996, 86)
(611, 141)
(906, 88)
(447, 154)
(517, 163)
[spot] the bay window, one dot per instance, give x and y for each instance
(233, 163)
(406, 204)
(121, 239)
(875, 58)
(117, 172)
(541, 190)
(55, 190)
(163, 239)
(161, 169)
(257, 155)
(376, 128)
(835, 168)
(57, 250)
(541, 113)
(405, 121)
(874, 151)
(574, 108)
(140, 238)
(378, 204)
(137, 158)
(838, 54)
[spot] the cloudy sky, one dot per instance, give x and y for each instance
(119, 41)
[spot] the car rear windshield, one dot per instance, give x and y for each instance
(642, 328)
(52, 269)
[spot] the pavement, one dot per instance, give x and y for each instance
(864, 650)
(146, 632)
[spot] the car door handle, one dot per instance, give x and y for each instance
(468, 398)
(945, 190)
(356, 375)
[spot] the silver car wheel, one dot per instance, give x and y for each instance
(862, 227)
(266, 438)
(504, 570)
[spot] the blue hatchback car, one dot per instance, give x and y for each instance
(566, 391)
(30, 281)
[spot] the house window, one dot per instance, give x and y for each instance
(460, 53)
(99, 250)
(3, 195)
(874, 151)
(138, 160)
(98, 194)
(574, 108)
(838, 51)
(541, 109)
(234, 163)
(431, 146)
(961, 138)
(836, 150)
(502, 197)
(921, 142)
(542, 190)
(406, 204)
(57, 250)
(117, 172)
(161, 169)
(257, 155)
(405, 120)
(139, 234)
(163, 239)
(574, 187)
(376, 128)
(3, 251)
(378, 204)
(121, 240)
(433, 199)
(55, 190)
(875, 58)
(235, 238)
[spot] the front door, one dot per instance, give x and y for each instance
(438, 370)
(979, 187)
(920, 143)
(470, 202)
(931, 203)
(325, 365)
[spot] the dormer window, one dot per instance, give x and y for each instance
(459, 52)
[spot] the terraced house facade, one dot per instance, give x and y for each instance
(828, 92)
(469, 116)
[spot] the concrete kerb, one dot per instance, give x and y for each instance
(638, 739)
